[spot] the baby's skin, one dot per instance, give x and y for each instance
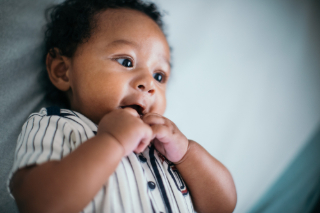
(118, 79)
(134, 133)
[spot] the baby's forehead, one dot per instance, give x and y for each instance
(120, 28)
(116, 18)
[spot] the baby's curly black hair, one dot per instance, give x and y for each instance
(72, 23)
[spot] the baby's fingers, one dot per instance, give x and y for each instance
(142, 145)
(161, 132)
(145, 140)
(132, 112)
(153, 119)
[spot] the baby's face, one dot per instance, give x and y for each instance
(126, 62)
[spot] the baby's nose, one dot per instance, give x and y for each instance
(145, 83)
(146, 88)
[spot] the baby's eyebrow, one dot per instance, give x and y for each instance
(122, 41)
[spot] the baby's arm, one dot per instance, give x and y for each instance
(70, 184)
(210, 184)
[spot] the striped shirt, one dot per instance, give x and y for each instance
(145, 182)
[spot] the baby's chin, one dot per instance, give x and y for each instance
(93, 116)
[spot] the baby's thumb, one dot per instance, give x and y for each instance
(142, 145)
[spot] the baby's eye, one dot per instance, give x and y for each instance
(125, 62)
(159, 77)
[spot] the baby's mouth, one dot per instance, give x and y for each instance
(136, 107)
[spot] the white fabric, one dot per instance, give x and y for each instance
(135, 186)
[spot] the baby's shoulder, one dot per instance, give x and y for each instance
(53, 127)
(53, 111)
(50, 134)
(66, 121)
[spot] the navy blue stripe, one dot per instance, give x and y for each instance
(104, 190)
(34, 136)
(78, 130)
(170, 185)
(93, 206)
(61, 155)
(81, 126)
(155, 203)
(70, 145)
(45, 131)
(159, 179)
(26, 150)
(24, 134)
(54, 135)
(75, 113)
(152, 172)
(125, 171)
(66, 114)
(153, 210)
(116, 176)
(34, 114)
(135, 178)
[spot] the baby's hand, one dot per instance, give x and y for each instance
(168, 139)
(127, 128)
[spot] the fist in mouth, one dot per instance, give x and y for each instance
(127, 128)
(167, 138)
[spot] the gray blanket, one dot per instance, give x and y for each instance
(21, 67)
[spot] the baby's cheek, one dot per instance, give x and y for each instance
(161, 104)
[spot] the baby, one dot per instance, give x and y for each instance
(112, 150)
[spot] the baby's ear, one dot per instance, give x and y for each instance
(58, 70)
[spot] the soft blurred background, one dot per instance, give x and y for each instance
(245, 85)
